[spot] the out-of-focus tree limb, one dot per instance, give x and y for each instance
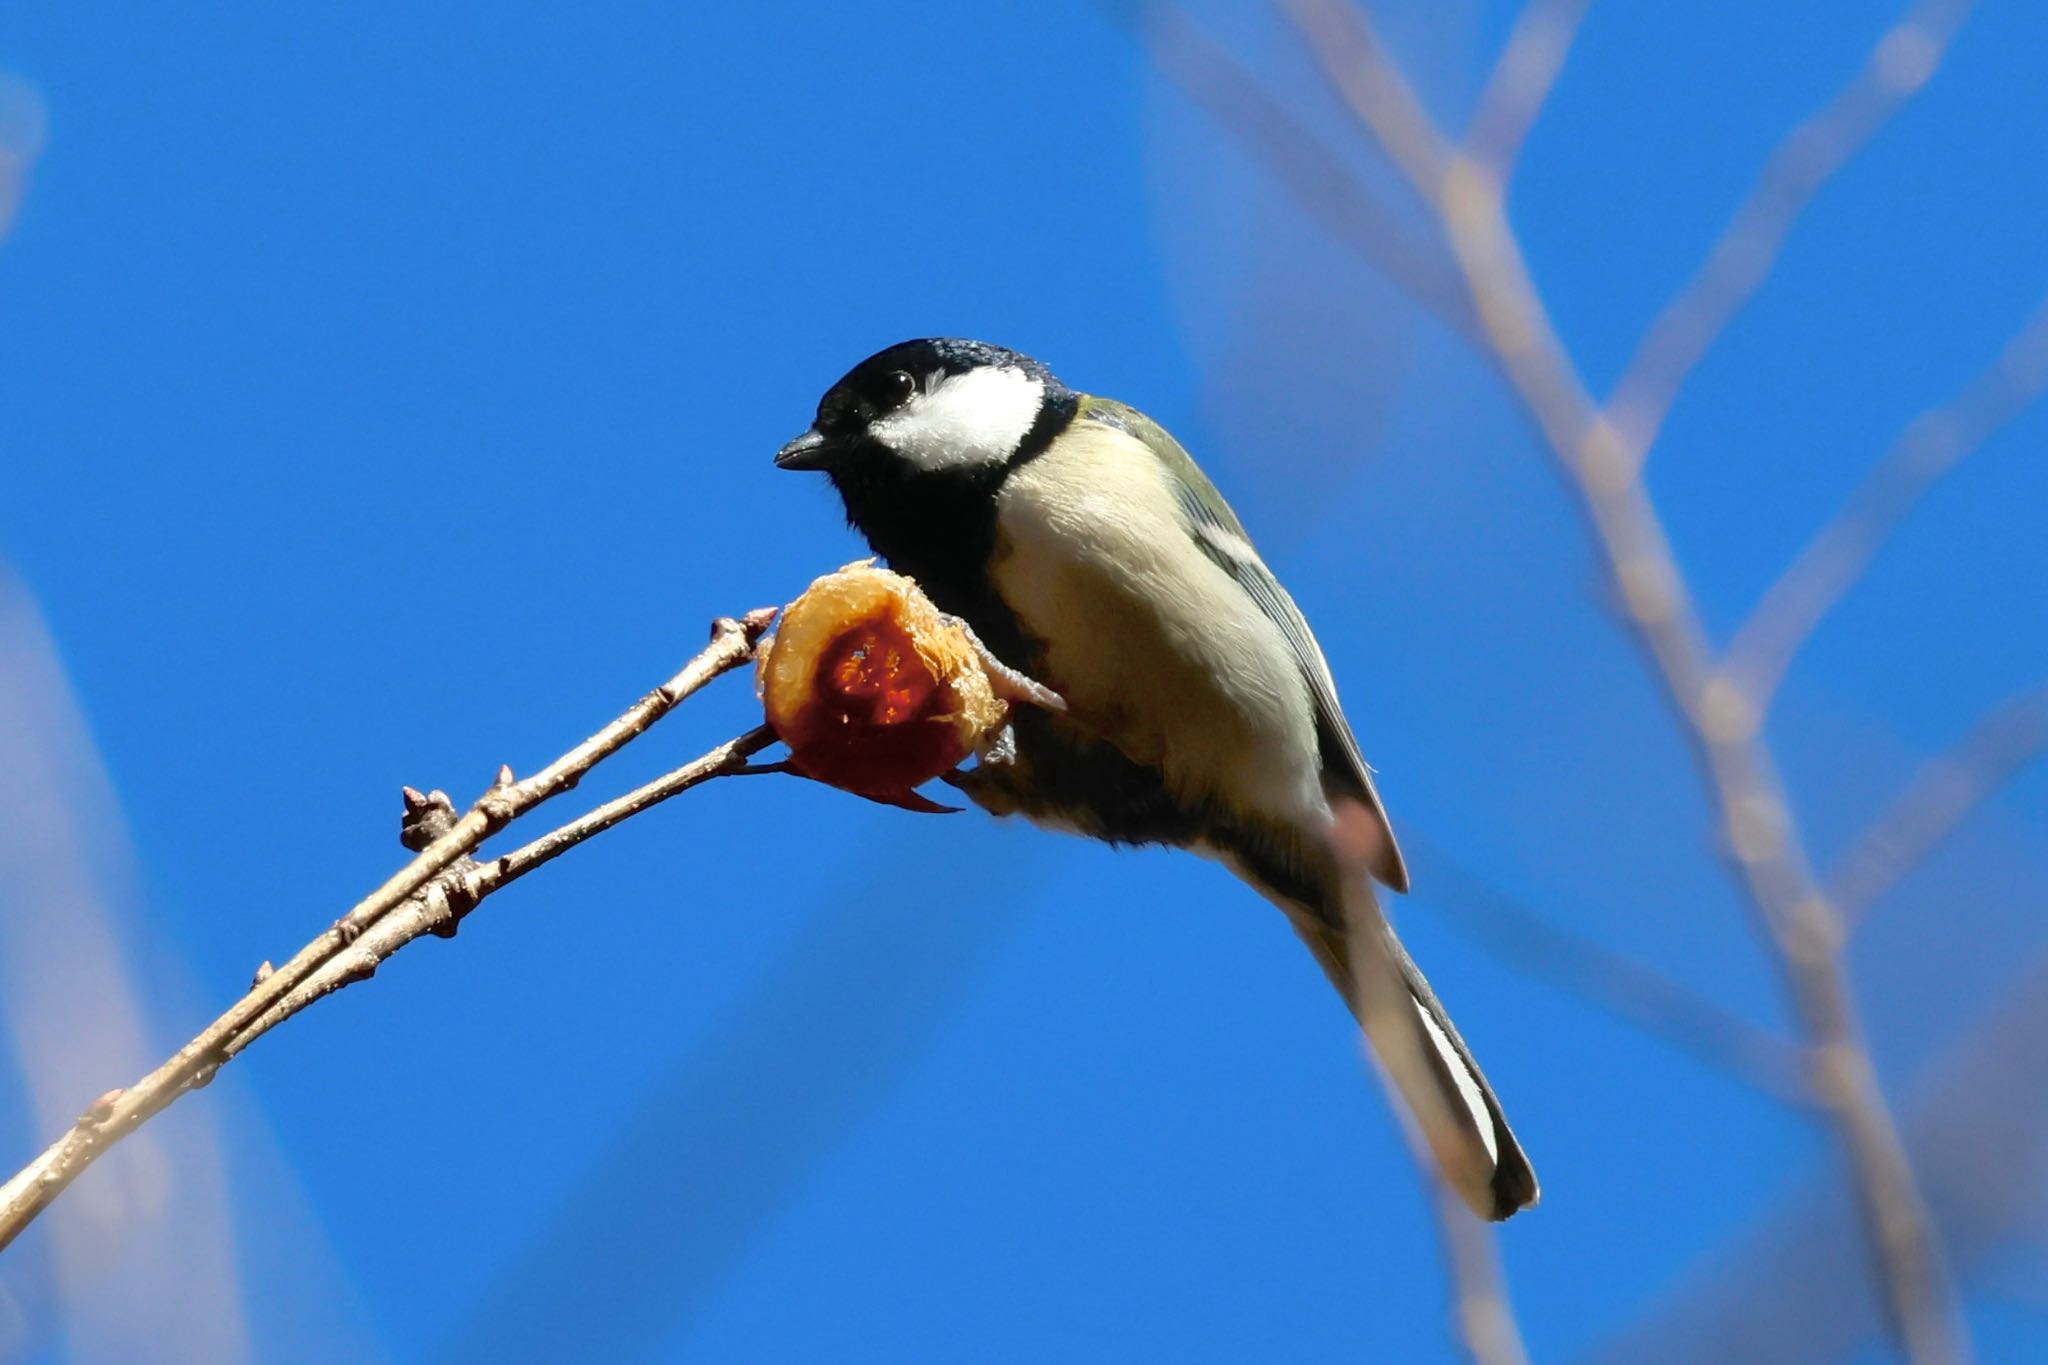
(1762, 838)
(329, 962)
(1372, 84)
(24, 126)
(1787, 1292)
(1481, 1314)
(1327, 189)
(728, 1130)
(1398, 1054)
(1938, 800)
(1640, 996)
(1900, 63)
(1931, 445)
(148, 1263)
(1521, 82)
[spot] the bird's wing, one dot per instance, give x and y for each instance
(1216, 529)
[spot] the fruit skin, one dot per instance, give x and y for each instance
(874, 690)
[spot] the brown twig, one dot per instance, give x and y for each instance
(1937, 801)
(1521, 82)
(1900, 63)
(440, 906)
(1763, 841)
(120, 1112)
(1931, 445)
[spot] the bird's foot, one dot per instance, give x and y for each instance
(994, 783)
(1008, 683)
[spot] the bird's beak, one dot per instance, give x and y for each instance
(808, 451)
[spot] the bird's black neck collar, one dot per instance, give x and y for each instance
(1055, 413)
(939, 525)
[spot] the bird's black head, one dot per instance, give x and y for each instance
(918, 440)
(938, 406)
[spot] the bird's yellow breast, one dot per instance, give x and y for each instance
(1154, 646)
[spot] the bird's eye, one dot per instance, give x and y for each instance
(898, 387)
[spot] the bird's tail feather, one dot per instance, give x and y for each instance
(1423, 1059)
(1424, 1062)
(1329, 897)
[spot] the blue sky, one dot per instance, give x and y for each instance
(387, 394)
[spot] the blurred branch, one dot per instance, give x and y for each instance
(1938, 799)
(149, 1266)
(1785, 1291)
(1739, 771)
(328, 962)
(1931, 445)
(24, 128)
(1480, 1311)
(1364, 77)
(1902, 61)
(1663, 1008)
(1521, 82)
(1399, 1056)
(1327, 189)
(729, 1125)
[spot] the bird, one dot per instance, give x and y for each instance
(1086, 550)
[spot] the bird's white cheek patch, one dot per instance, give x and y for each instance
(976, 418)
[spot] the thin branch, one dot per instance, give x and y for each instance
(1314, 176)
(1938, 800)
(1521, 83)
(1903, 60)
(727, 760)
(446, 901)
(1740, 773)
(1931, 446)
(120, 1112)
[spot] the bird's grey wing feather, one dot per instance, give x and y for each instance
(1221, 536)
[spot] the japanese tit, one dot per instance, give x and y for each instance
(1087, 551)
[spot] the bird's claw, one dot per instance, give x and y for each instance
(990, 784)
(1000, 748)
(1008, 683)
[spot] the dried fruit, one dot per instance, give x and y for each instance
(875, 690)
